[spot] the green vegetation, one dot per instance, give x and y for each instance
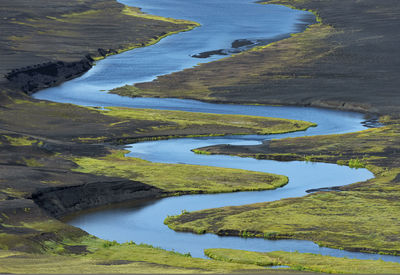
(361, 217)
(248, 124)
(305, 261)
(291, 4)
(13, 192)
(100, 257)
(180, 177)
(352, 163)
(32, 162)
(136, 12)
(200, 152)
(59, 248)
(121, 125)
(20, 141)
(241, 256)
(361, 221)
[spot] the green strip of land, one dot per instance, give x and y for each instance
(123, 125)
(180, 177)
(244, 123)
(110, 257)
(305, 261)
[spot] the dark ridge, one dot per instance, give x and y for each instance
(59, 201)
(34, 78)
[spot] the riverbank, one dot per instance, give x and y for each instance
(347, 61)
(358, 217)
(45, 45)
(344, 62)
(33, 166)
(47, 160)
(305, 261)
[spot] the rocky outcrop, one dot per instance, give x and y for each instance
(59, 201)
(33, 78)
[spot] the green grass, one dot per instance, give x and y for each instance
(305, 261)
(115, 258)
(356, 163)
(200, 152)
(14, 192)
(241, 256)
(362, 221)
(362, 217)
(247, 124)
(180, 177)
(60, 248)
(352, 163)
(122, 125)
(32, 162)
(20, 141)
(136, 12)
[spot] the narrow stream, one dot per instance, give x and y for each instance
(222, 24)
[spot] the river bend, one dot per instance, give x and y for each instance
(222, 22)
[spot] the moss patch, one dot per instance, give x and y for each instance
(20, 141)
(246, 124)
(122, 125)
(180, 177)
(108, 257)
(305, 261)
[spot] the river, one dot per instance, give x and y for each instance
(222, 22)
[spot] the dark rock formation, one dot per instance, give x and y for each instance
(33, 78)
(59, 201)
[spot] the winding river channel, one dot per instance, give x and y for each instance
(222, 23)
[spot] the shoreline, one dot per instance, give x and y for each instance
(320, 64)
(34, 78)
(53, 72)
(338, 105)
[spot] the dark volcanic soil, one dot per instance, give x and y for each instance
(43, 43)
(351, 61)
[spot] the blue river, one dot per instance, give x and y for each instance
(222, 24)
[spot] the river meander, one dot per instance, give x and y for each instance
(223, 22)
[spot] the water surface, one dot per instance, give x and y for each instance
(143, 221)
(222, 22)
